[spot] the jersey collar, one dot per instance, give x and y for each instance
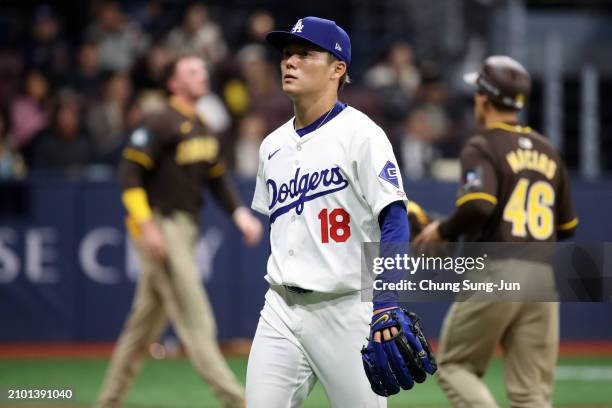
(326, 117)
(510, 127)
(182, 108)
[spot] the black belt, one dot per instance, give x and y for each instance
(296, 289)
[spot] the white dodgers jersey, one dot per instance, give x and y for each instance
(323, 193)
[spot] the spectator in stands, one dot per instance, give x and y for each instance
(11, 70)
(46, 50)
(198, 35)
(65, 146)
(12, 165)
(152, 18)
(434, 100)
(245, 80)
(259, 23)
(29, 112)
(251, 131)
(396, 80)
(257, 89)
(150, 70)
(120, 41)
(397, 70)
(417, 149)
(106, 118)
(87, 77)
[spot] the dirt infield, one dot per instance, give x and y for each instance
(239, 347)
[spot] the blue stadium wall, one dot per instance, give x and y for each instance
(67, 272)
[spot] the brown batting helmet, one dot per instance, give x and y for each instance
(504, 80)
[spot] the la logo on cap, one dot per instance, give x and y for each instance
(337, 47)
(297, 28)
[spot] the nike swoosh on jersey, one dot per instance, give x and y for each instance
(273, 153)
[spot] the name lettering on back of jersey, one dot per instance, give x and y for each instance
(523, 159)
(389, 174)
(197, 149)
(303, 188)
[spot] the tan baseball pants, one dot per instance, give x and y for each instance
(528, 333)
(171, 291)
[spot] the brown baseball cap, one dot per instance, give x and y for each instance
(504, 80)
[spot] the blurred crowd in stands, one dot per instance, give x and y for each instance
(69, 104)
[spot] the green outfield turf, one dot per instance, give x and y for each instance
(581, 382)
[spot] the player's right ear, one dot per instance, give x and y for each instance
(339, 69)
(482, 100)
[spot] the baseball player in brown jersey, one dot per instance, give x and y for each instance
(164, 166)
(514, 189)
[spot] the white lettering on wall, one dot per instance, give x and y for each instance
(88, 254)
(40, 249)
(9, 261)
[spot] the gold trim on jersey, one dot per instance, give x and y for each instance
(510, 128)
(476, 196)
(568, 225)
(138, 157)
(413, 207)
(216, 170)
(182, 108)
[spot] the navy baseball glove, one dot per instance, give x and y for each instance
(401, 361)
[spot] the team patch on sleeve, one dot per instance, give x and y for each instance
(389, 174)
(473, 179)
(140, 137)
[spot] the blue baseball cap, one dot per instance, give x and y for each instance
(319, 31)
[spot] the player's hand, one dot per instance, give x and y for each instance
(385, 334)
(249, 226)
(397, 354)
(430, 233)
(153, 240)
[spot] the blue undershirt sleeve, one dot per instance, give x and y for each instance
(394, 238)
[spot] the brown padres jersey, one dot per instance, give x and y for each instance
(518, 173)
(171, 155)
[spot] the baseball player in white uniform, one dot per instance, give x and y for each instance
(326, 180)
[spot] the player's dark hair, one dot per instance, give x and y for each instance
(168, 73)
(502, 108)
(170, 69)
(345, 79)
